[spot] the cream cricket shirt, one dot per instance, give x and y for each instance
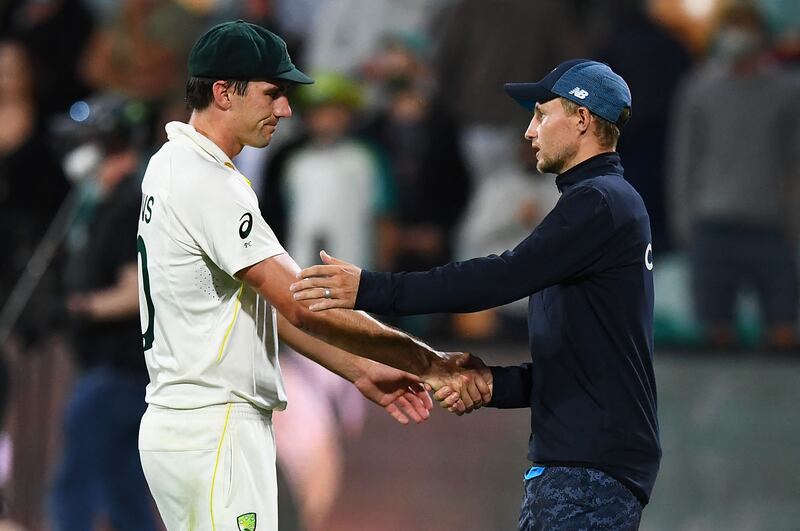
(208, 338)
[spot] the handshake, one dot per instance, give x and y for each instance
(461, 382)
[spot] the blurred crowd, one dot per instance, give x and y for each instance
(404, 154)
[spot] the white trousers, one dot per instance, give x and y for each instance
(211, 469)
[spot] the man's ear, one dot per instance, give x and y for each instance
(584, 119)
(221, 94)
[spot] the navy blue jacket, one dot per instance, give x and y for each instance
(588, 271)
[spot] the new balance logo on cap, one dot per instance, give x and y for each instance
(579, 93)
(592, 84)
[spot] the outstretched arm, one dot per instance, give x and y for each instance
(401, 394)
(569, 243)
(360, 334)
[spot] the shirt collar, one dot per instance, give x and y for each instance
(602, 164)
(177, 130)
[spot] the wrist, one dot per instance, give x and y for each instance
(438, 367)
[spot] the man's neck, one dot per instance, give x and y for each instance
(217, 132)
(585, 152)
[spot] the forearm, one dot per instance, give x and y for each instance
(511, 386)
(347, 365)
(360, 334)
(457, 287)
(354, 332)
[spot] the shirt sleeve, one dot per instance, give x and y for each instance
(511, 386)
(568, 243)
(230, 229)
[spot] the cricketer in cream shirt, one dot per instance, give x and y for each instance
(208, 338)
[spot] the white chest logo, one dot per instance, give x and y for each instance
(648, 257)
(579, 93)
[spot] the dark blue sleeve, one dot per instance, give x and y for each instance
(511, 386)
(568, 243)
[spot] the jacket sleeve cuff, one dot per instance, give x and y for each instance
(375, 293)
(511, 387)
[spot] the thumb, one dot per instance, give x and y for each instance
(330, 260)
(463, 360)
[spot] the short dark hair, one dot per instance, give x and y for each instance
(607, 132)
(199, 90)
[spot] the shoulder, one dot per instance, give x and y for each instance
(192, 184)
(621, 198)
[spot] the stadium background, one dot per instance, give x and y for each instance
(728, 417)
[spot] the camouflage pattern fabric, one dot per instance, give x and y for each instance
(574, 498)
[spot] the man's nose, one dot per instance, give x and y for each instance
(282, 107)
(530, 133)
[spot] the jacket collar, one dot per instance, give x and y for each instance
(602, 164)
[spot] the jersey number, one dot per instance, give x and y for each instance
(149, 334)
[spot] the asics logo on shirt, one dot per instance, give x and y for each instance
(246, 225)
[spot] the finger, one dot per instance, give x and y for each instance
(483, 388)
(407, 409)
(311, 282)
(474, 395)
(458, 409)
(450, 400)
(468, 403)
(423, 394)
(395, 412)
(416, 404)
(443, 393)
(318, 271)
(311, 294)
(327, 304)
(412, 407)
(415, 400)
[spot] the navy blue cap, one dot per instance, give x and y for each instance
(588, 83)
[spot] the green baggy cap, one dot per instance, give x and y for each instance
(240, 50)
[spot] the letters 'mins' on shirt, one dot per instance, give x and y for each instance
(208, 338)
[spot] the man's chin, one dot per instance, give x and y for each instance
(260, 142)
(544, 166)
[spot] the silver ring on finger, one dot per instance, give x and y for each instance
(326, 292)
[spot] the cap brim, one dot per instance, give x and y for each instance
(528, 94)
(295, 76)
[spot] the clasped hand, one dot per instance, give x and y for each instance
(462, 383)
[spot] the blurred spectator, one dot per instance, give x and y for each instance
(329, 170)
(141, 50)
(342, 41)
(55, 33)
(652, 60)
(480, 46)
(100, 474)
(32, 185)
(505, 209)
(420, 142)
(735, 181)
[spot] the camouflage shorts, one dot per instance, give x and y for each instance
(574, 498)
